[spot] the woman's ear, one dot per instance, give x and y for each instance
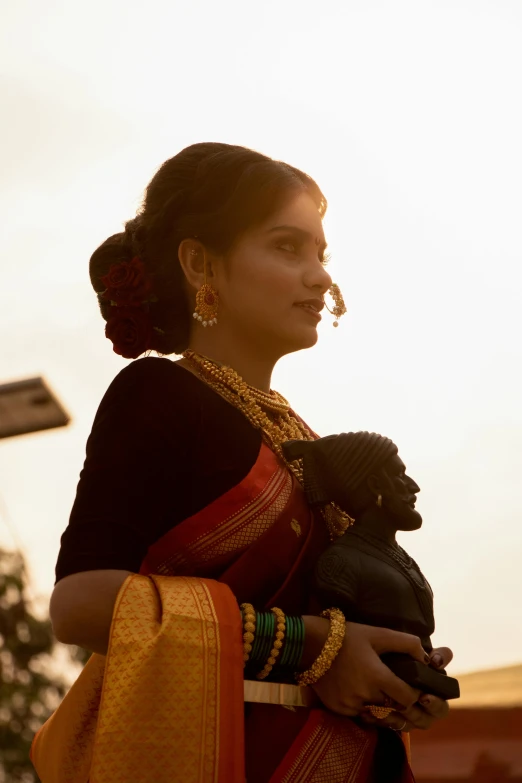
(193, 259)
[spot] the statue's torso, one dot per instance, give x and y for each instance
(373, 588)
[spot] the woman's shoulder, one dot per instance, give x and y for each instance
(152, 384)
(149, 368)
(153, 374)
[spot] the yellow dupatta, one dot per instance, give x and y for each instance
(166, 703)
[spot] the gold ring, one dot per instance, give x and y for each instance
(378, 711)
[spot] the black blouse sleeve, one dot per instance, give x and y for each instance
(137, 455)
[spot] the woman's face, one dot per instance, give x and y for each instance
(267, 276)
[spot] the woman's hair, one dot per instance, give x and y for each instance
(211, 191)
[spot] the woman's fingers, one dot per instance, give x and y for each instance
(397, 689)
(418, 716)
(395, 721)
(428, 709)
(440, 657)
(358, 677)
(398, 723)
(387, 641)
(435, 707)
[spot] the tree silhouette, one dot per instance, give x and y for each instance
(29, 690)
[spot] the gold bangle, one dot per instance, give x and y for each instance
(329, 652)
(249, 620)
(278, 642)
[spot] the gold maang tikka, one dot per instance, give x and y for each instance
(339, 305)
(207, 299)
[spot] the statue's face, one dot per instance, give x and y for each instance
(399, 496)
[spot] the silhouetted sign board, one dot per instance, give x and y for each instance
(29, 406)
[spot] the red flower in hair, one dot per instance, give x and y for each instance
(127, 283)
(130, 330)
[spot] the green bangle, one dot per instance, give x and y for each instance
(258, 639)
(295, 644)
(270, 634)
(265, 641)
(289, 635)
(300, 642)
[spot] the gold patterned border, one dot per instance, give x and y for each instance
(237, 531)
(333, 753)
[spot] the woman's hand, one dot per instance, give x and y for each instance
(357, 676)
(428, 709)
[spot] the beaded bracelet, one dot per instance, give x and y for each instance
(263, 637)
(261, 626)
(259, 637)
(249, 627)
(329, 652)
(277, 614)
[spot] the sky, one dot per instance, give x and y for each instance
(408, 114)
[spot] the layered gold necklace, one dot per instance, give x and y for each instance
(268, 412)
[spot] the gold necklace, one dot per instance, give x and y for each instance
(256, 405)
(268, 412)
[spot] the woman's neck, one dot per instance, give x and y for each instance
(254, 369)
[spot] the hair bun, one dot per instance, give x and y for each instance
(134, 235)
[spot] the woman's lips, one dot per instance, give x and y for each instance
(312, 312)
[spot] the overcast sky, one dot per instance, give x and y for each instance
(409, 115)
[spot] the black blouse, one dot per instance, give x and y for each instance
(163, 446)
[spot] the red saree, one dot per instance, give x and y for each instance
(262, 540)
(178, 622)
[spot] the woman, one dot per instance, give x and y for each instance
(185, 510)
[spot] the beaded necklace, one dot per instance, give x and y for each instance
(268, 412)
(396, 552)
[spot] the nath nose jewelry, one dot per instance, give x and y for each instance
(339, 305)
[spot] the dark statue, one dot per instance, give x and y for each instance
(365, 572)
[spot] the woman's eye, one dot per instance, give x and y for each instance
(289, 246)
(325, 259)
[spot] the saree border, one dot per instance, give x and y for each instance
(227, 525)
(329, 749)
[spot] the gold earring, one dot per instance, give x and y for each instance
(339, 305)
(379, 501)
(207, 301)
